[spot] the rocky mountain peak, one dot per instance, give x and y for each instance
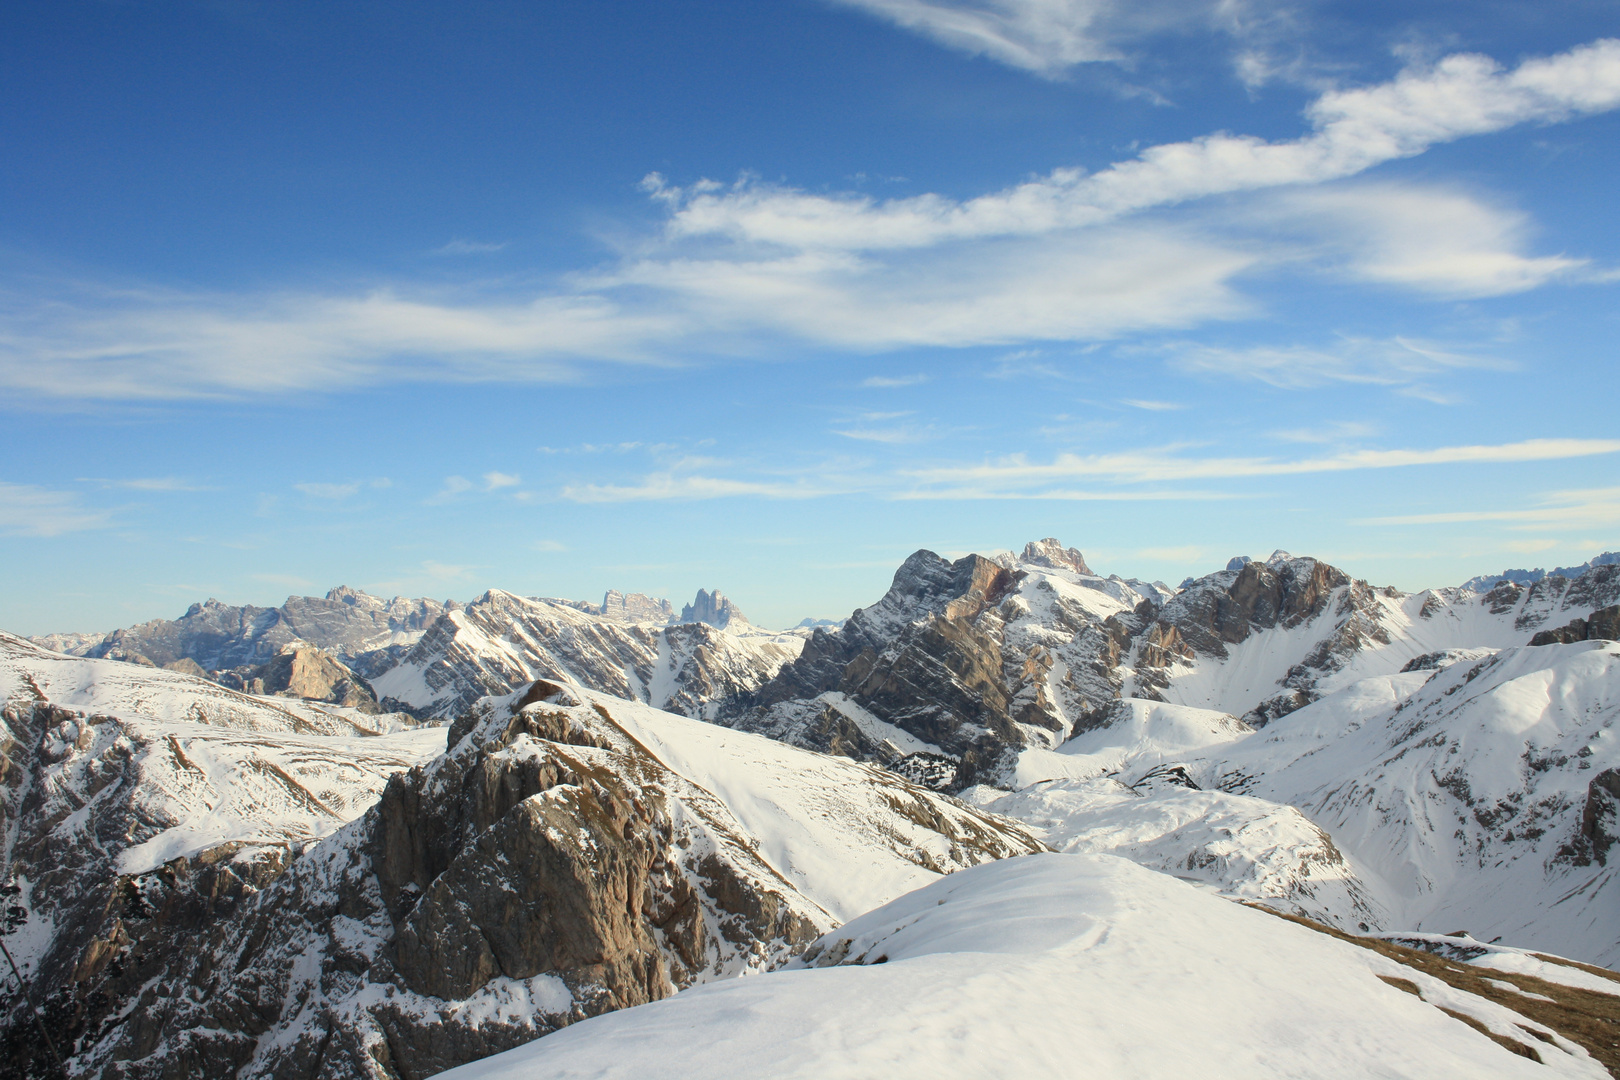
(353, 597)
(712, 608)
(1051, 553)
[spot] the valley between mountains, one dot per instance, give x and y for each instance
(1014, 817)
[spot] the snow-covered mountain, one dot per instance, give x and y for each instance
(1072, 965)
(501, 642)
(572, 853)
(960, 666)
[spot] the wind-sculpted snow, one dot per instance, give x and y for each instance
(501, 642)
(1062, 965)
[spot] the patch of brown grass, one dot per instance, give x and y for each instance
(1584, 1017)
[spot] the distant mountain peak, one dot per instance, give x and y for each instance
(1486, 582)
(712, 608)
(1050, 552)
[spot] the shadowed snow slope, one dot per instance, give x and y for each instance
(1056, 965)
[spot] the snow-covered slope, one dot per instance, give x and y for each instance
(500, 642)
(1478, 794)
(1060, 965)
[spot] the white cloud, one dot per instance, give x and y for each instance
(453, 486)
(494, 481)
(1094, 284)
(164, 346)
(1395, 362)
(145, 483)
(26, 510)
(1156, 466)
(890, 382)
(666, 486)
(1048, 37)
(1429, 239)
(1151, 406)
(328, 491)
(1576, 509)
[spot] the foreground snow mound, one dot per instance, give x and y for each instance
(1057, 965)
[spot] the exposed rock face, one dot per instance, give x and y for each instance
(1603, 624)
(306, 673)
(549, 867)
(500, 642)
(712, 608)
(636, 607)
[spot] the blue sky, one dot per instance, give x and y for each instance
(429, 298)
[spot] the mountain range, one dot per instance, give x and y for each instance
(397, 837)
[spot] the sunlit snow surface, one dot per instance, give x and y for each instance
(1053, 966)
(1452, 794)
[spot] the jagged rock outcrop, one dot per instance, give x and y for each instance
(1051, 553)
(712, 608)
(363, 631)
(1602, 624)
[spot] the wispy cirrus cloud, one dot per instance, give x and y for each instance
(1049, 37)
(672, 486)
(892, 382)
(145, 483)
(1397, 362)
(27, 510)
(1573, 509)
(1157, 466)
